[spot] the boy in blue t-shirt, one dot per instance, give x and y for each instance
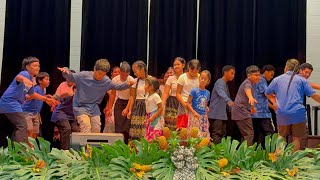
(197, 105)
(12, 99)
(32, 107)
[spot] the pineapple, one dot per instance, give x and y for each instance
(166, 132)
(194, 132)
(183, 134)
(163, 144)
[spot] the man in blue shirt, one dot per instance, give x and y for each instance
(91, 88)
(220, 98)
(261, 119)
(289, 90)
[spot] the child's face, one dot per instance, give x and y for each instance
(33, 68)
(169, 72)
(147, 87)
(203, 80)
(230, 74)
(193, 72)
(124, 76)
(99, 75)
(115, 72)
(178, 66)
(45, 81)
(254, 77)
(306, 73)
(138, 72)
(268, 75)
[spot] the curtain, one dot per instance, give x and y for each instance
(172, 33)
(243, 33)
(113, 29)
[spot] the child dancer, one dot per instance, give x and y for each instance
(32, 107)
(154, 108)
(197, 105)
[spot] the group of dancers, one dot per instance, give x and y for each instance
(142, 106)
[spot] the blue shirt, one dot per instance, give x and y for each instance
(290, 105)
(34, 105)
(261, 106)
(242, 109)
(64, 111)
(90, 92)
(220, 96)
(200, 100)
(12, 99)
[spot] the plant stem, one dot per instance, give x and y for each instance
(98, 174)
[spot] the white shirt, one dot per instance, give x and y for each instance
(124, 94)
(140, 92)
(187, 84)
(152, 102)
(172, 82)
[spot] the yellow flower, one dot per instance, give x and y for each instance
(166, 132)
(293, 172)
(194, 132)
(89, 150)
(183, 134)
(272, 157)
(140, 167)
(140, 174)
(163, 144)
(225, 173)
(222, 162)
(204, 142)
(38, 166)
(36, 170)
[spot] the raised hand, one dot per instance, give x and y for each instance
(64, 70)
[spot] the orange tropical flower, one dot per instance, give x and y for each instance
(204, 142)
(38, 166)
(166, 132)
(194, 132)
(272, 157)
(222, 162)
(183, 134)
(163, 144)
(293, 172)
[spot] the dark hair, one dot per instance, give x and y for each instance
(227, 68)
(125, 67)
(207, 73)
(102, 65)
(292, 65)
(154, 83)
(73, 71)
(113, 68)
(268, 68)
(304, 66)
(41, 76)
(28, 60)
(194, 64)
(140, 65)
(252, 69)
(179, 59)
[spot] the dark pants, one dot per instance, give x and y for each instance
(121, 123)
(218, 130)
(65, 128)
(262, 128)
(20, 133)
(246, 129)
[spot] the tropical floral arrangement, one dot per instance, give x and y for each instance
(176, 155)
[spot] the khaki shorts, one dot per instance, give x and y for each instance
(33, 122)
(296, 130)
